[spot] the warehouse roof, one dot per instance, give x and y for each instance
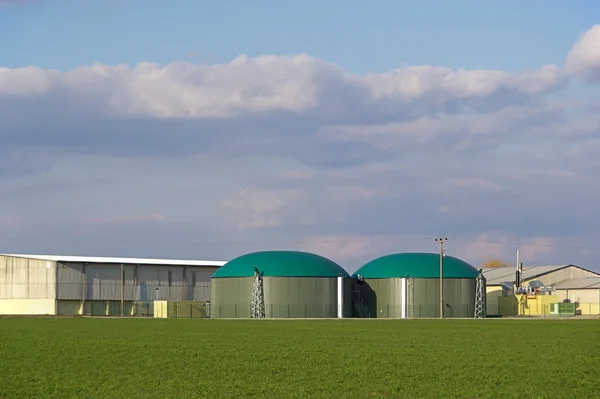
(418, 265)
(579, 283)
(281, 264)
(504, 275)
(139, 261)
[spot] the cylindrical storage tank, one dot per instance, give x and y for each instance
(407, 285)
(296, 285)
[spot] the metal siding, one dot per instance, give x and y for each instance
(22, 278)
(547, 274)
(579, 284)
(385, 297)
(348, 297)
(285, 297)
(95, 282)
(200, 292)
(230, 297)
(300, 297)
(558, 276)
(491, 299)
(459, 298)
(69, 285)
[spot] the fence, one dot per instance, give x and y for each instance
(330, 311)
(169, 309)
(113, 308)
(179, 310)
(543, 310)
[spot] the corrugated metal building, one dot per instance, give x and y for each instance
(407, 285)
(296, 285)
(71, 285)
(502, 281)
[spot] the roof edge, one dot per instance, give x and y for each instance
(100, 259)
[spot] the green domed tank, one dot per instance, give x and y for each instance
(407, 285)
(296, 285)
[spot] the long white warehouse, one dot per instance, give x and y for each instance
(81, 285)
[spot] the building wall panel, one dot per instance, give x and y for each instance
(23, 278)
(231, 297)
(459, 298)
(384, 297)
(68, 307)
(557, 276)
(491, 298)
(27, 307)
(199, 280)
(70, 281)
(100, 282)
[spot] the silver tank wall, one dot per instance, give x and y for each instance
(285, 297)
(384, 297)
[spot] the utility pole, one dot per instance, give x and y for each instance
(122, 290)
(441, 241)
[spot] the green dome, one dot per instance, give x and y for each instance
(417, 265)
(281, 264)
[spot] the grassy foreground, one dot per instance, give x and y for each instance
(158, 358)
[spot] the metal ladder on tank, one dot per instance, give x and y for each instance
(480, 309)
(257, 310)
(359, 303)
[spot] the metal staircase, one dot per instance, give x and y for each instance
(258, 297)
(359, 303)
(480, 310)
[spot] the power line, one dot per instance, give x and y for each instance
(519, 244)
(312, 241)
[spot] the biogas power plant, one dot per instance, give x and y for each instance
(291, 284)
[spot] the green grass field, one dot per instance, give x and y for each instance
(160, 358)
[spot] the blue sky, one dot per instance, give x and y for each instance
(508, 35)
(348, 131)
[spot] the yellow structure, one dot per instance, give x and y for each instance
(526, 305)
(180, 309)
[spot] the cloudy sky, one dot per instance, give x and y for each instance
(205, 131)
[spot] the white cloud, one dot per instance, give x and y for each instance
(583, 61)
(212, 161)
(294, 84)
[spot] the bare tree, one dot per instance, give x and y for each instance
(494, 264)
